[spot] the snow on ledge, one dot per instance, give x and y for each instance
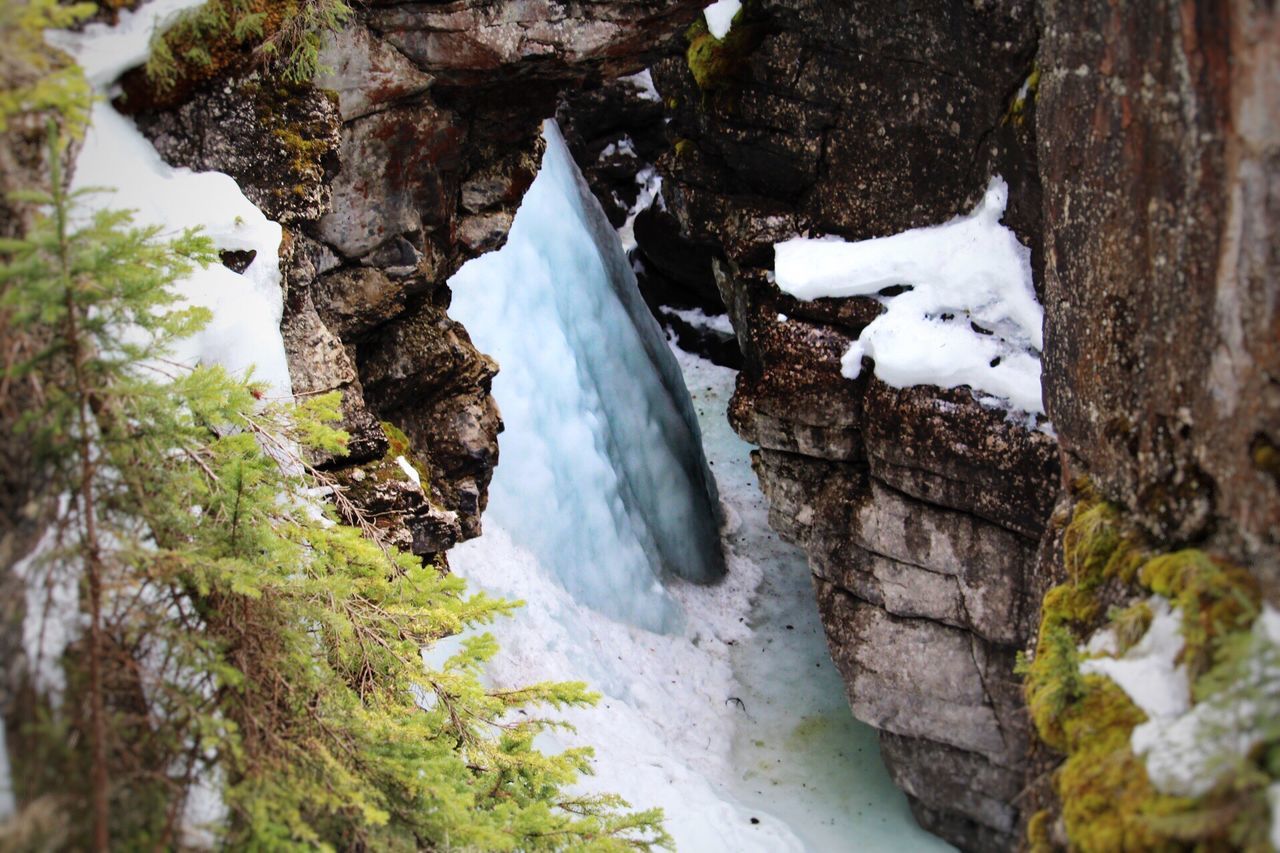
(967, 315)
(643, 81)
(719, 16)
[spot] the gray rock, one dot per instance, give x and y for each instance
(318, 364)
(917, 678)
(367, 73)
(395, 178)
(944, 778)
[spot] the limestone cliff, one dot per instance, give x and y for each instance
(1141, 149)
(920, 510)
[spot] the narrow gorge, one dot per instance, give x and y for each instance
(987, 292)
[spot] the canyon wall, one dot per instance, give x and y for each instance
(920, 510)
(407, 158)
(1159, 145)
(1140, 145)
(1141, 150)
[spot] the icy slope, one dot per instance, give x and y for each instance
(602, 475)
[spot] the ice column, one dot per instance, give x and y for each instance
(602, 474)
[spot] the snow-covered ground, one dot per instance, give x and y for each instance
(737, 726)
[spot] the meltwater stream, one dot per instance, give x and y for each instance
(719, 702)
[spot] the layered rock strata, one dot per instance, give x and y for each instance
(920, 510)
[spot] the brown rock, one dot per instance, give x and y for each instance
(1159, 149)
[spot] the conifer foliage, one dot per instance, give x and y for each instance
(244, 670)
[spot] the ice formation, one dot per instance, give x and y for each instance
(719, 16)
(969, 315)
(603, 472)
(787, 770)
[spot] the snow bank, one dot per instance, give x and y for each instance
(246, 308)
(968, 317)
(719, 16)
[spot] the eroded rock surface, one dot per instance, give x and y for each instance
(920, 510)
(1160, 150)
(407, 158)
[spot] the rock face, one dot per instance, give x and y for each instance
(1159, 147)
(920, 510)
(407, 158)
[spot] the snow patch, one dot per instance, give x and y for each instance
(52, 620)
(105, 51)
(245, 330)
(1187, 747)
(699, 319)
(650, 183)
(1187, 752)
(967, 314)
(409, 471)
(643, 81)
(1147, 672)
(719, 16)
(624, 147)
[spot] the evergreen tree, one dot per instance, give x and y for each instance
(238, 639)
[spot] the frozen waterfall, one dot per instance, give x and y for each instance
(602, 474)
(727, 714)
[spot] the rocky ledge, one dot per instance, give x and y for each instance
(406, 158)
(920, 510)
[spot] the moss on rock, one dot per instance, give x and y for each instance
(718, 64)
(1105, 799)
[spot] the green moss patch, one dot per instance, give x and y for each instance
(1105, 799)
(398, 444)
(718, 64)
